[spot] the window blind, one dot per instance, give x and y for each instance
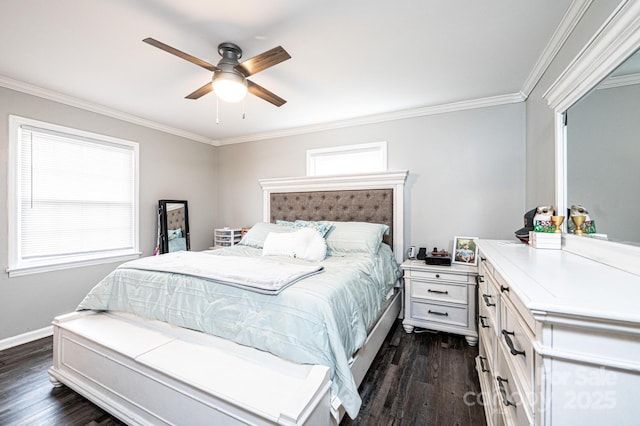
(75, 197)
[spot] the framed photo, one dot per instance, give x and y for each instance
(465, 250)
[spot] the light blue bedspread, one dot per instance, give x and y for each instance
(322, 319)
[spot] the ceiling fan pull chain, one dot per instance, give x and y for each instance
(217, 110)
(243, 103)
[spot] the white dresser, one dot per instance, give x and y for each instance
(440, 298)
(559, 338)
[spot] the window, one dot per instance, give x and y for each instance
(350, 159)
(73, 198)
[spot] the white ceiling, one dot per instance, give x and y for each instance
(350, 59)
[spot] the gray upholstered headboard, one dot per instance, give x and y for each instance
(368, 197)
(360, 205)
(175, 219)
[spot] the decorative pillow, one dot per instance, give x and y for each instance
(174, 233)
(305, 244)
(355, 237)
(258, 233)
(284, 223)
(321, 226)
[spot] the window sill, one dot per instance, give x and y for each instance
(20, 270)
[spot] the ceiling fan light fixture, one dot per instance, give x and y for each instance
(230, 87)
(230, 77)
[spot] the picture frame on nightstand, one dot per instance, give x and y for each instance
(465, 250)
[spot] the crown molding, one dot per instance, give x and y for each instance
(574, 14)
(371, 119)
(380, 118)
(51, 95)
(613, 43)
(619, 81)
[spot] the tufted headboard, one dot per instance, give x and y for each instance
(372, 197)
(175, 218)
(360, 205)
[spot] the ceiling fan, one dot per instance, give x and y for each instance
(229, 79)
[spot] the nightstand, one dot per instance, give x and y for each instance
(440, 298)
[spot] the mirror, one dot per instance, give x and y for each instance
(611, 193)
(603, 154)
(173, 227)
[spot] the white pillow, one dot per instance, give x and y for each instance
(305, 243)
(258, 233)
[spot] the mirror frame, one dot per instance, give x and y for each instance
(616, 40)
(162, 215)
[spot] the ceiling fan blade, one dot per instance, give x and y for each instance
(263, 61)
(261, 92)
(180, 54)
(208, 87)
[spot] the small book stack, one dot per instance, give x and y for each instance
(545, 240)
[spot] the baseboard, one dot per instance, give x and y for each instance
(21, 339)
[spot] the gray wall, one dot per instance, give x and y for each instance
(466, 174)
(540, 137)
(170, 167)
(602, 160)
(472, 173)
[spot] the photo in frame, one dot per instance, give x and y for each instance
(465, 250)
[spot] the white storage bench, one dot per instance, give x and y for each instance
(148, 372)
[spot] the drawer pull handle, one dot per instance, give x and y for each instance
(437, 275)
(512, 348)
(482, 367)
(444, 314)
(437, 291)
(482, 324)
(503, 391)
(503, 288)
(487, 302)
(483, 259)
(480, 279)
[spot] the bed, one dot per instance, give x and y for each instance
(148, 371)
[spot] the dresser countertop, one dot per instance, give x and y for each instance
(560, 283)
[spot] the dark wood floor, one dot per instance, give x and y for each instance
(421, 379)
(416, 379)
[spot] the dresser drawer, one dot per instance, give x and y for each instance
(490, 399)
(517, 345)
(487, 321)
(439, 276)
(483, 361)
(488, 297)
(514, 408)
(439, 291)
(486, 349)
(444, 314)
(484, 266)
(505, 291)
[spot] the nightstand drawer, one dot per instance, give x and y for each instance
(439, 276)
(439, 291)
(444, 314)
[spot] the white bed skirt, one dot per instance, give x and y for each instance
(147, 372)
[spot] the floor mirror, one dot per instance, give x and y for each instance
(173, 226)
